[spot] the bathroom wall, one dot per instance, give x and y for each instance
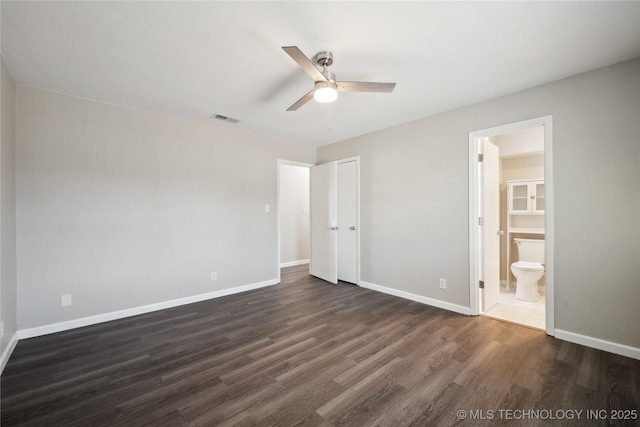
(522, 167)
(294, 215)
(525, 141)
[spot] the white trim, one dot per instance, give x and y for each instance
(294, 263)
(474, 300)
(278, 163)
(417, 298)
(6, 354)
(114, 315)
(549, 235)
(597, 343)
(474, 293)
(292, 163)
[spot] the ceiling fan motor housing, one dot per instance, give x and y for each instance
(324, 58)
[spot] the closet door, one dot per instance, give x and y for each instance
(347, 221)
(324, 236)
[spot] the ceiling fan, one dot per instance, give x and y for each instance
(326, 87)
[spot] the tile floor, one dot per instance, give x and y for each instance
(514, 310)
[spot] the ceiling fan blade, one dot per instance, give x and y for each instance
(365, 87)
(305, 63)
(300, 102)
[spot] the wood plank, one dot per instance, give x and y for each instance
(305, 353)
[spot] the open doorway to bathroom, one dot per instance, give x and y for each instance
(521, 209)
(511, 255)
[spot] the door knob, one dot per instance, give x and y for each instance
(353, 227)
(500, 233)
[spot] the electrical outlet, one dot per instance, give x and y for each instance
(443, 283)
(65, 300)
(214, 277)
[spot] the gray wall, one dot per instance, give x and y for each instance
(122, 208)
(294, 220)
(9, 291)
(415, 198)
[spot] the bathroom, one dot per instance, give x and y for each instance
(522, 222)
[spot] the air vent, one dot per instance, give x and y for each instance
(225, 118)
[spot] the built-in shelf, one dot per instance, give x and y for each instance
(526, 230)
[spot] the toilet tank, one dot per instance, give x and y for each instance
(531, 250)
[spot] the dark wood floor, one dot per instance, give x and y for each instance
(309, 353)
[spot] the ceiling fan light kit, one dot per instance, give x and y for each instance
(326, 87)
(325, 92)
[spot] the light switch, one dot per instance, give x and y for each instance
(267, 208)
(65, 300)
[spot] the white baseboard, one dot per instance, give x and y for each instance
(294, 263)
(100, 318)
(418, 298)
(6, 353)
(611, 347)
(621, 349)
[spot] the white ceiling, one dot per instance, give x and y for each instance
(196, 59)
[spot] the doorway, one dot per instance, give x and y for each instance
(492, 238)
(293, 214)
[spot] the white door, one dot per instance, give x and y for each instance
(347, 221)
(324, 241)
(491, 230)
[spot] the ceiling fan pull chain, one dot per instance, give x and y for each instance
(329, 118)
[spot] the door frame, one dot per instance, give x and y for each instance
(474, 207)
(278, 164)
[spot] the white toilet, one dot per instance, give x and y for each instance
(529, 269)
